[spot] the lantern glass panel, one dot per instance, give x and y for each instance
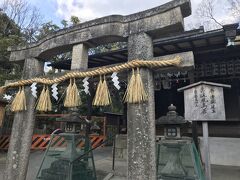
(69, 127)
(68, 161)
(172, 132)
(178, 161)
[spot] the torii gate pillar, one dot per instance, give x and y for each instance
(22, 129)
(141, 117)
(79, 57)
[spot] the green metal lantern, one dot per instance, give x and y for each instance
(65, 158)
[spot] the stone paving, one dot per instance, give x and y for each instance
(103, 162)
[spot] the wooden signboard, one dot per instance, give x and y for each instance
(204, 101)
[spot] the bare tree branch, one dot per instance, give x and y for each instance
(23, 14)
(206, 13)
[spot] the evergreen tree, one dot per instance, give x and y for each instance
(10, 35)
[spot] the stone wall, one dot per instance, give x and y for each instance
(223, 151)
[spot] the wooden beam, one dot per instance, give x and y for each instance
(212, 48)
(192, 44)
(111, 58)
(163, 49)
(100, 60)
(91, 61)
(177, 46)
(208, 42)
(206, 152)
(120, 56)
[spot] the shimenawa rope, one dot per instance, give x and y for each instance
(135, 92)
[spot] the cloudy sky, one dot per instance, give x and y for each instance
(56, 10)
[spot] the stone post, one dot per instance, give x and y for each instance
(80, 62)
(79, 57)
(22, 129)
(141, 117)
(12, 163)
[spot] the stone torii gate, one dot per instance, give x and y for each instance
(138, 30)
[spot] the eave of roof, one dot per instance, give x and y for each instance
(187, 37)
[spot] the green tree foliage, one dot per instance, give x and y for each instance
(18, 23)
(24, 15)
(9, 36)
(64, 23)
(75, 20)
(45, 29)
(108, 47)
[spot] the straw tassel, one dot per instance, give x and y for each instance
(72, 98)
(142, 95)
(44, 102)
(19, 102)
(102, 96)
(2, 90)
(135, 92)
(106, 97)
(128, 96)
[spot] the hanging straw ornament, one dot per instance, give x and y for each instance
(34, 89)
(102, 96)
(72, 98)
(2, 90)
(55, 91)
(19, 102)
(86, 85)
(115, 80)
(44, 102)
(135, 92)
(128, 96)
(97, 96)
(140, 90)
(106, 98)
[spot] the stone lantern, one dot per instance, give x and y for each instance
(95, 129)
(73, 122)
(69, 161)
(172, 123)
(177, 157)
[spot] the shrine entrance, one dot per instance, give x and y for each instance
(139, 32)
